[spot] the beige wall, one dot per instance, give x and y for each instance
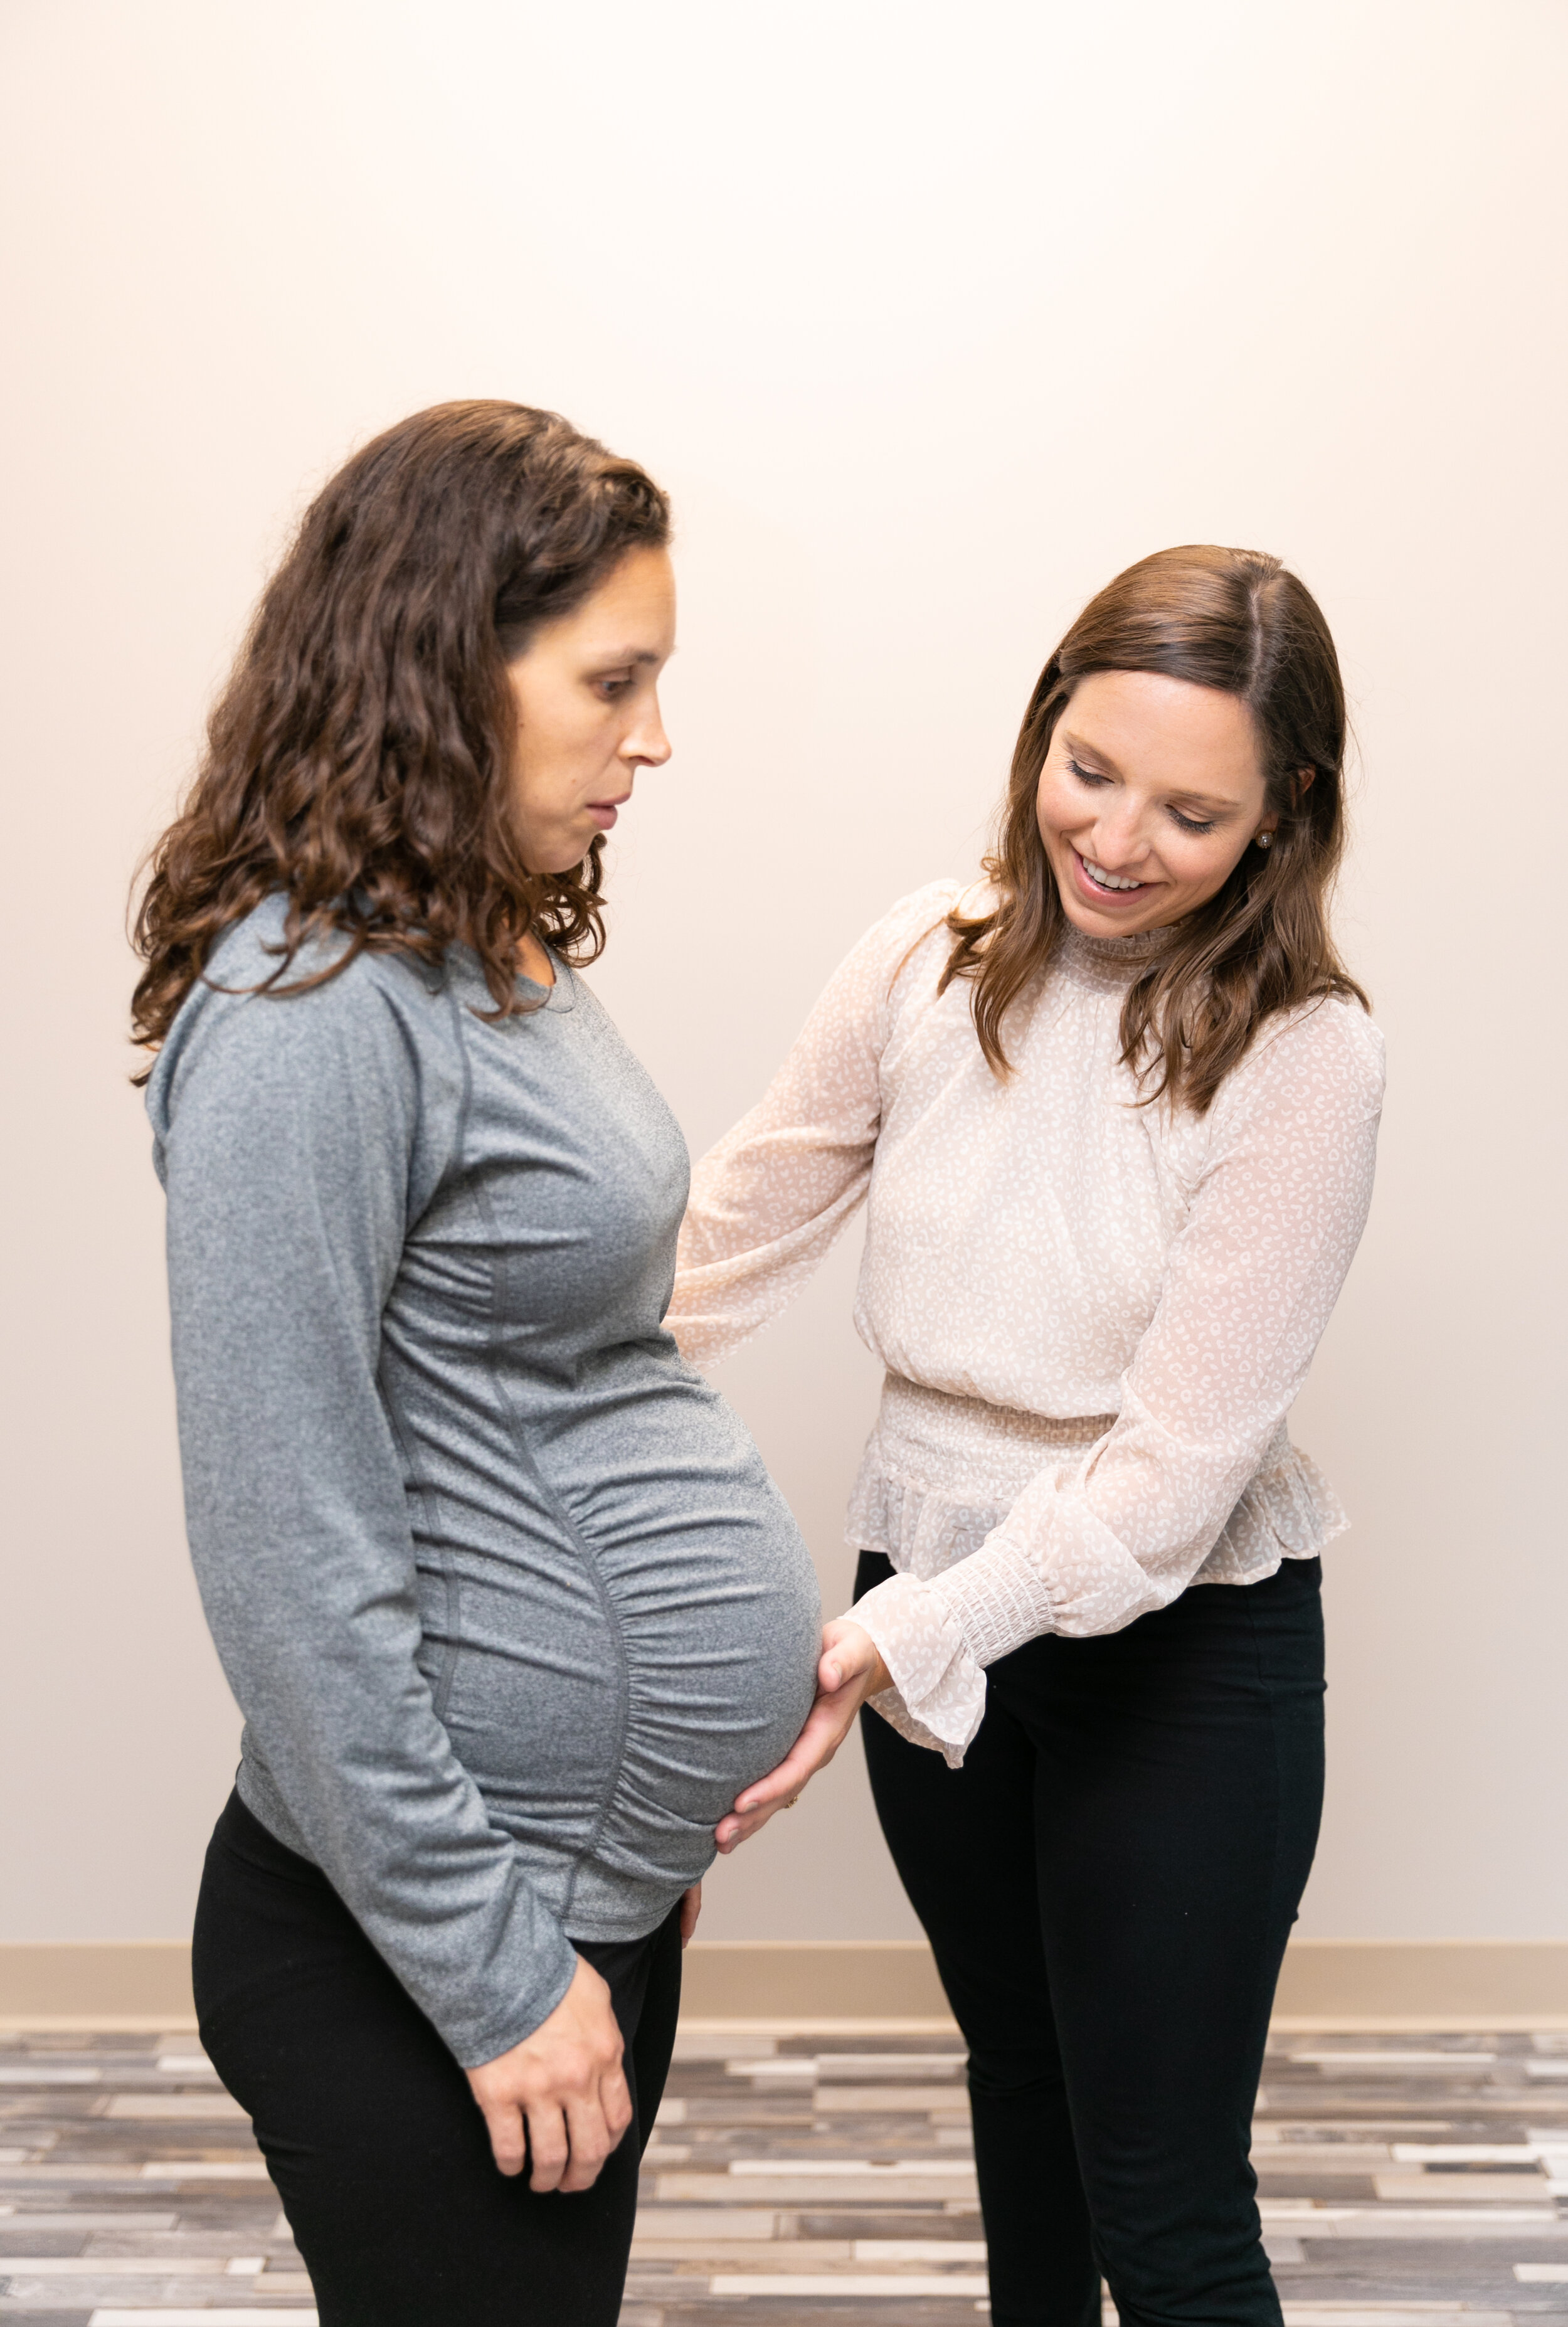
(931, 318)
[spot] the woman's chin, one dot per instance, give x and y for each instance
(1094, 923)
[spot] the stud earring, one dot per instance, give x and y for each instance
(1265, 840)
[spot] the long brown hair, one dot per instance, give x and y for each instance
(1234, 620)
(359, 759)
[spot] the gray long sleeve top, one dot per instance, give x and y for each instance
(509, 1605)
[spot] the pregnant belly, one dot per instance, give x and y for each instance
(721, 1677)
(614, 1701)
(716, 1602)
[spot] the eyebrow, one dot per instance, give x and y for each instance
(1093, 751)
(630, 654)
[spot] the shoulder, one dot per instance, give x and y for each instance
(377, 1016)
(928, 908)
(900, 955)
(1332, 1037)
(1322, 1054)
(916, 922)
(250, 954)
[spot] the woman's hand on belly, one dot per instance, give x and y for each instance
(850, 1670)
(561, 2093)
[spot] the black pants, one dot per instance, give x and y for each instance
(1108, 1884)
(369, 2125)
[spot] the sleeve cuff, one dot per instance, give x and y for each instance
(939, 1695)
(520, 2009)
(996, 1599)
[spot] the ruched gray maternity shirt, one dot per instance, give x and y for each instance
(510, 1606)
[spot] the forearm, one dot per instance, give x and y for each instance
(341, 1728)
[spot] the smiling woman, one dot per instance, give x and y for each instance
(1187, 735)
(1113, 1111)
(1134, 844)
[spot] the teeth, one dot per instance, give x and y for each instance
(1108, 880)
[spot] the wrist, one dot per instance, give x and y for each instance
(875, 1676)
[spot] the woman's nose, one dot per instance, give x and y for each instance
(647, 742)
(1117, 840)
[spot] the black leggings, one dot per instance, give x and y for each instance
(369, 2128)
(1108, 1884)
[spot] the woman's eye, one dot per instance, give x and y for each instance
(1190, 823)
(1085, 775)
(611, 688)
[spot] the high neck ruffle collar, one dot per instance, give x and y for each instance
(1108, 961)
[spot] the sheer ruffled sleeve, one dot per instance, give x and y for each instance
(1248, 1286)
(768, 1203)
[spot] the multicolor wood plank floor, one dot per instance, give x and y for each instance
(802, 2177)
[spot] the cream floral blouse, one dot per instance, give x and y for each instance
(1094, 1317)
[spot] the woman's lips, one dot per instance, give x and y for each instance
(1091, 890)
(604, 813)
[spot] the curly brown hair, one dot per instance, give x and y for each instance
(1235, 620)
(360, 757)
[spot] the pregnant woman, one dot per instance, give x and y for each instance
(1114, 1112)
(507, 1601)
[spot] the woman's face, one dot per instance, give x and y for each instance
(1150, 792)
(587, 696)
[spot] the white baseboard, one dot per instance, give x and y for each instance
(1343, 1984)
